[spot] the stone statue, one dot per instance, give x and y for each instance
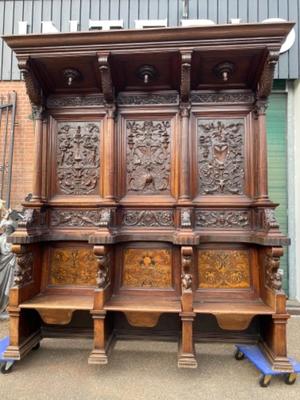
(8, 225)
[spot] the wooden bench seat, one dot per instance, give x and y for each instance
(143, 304)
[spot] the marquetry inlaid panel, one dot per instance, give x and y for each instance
(78, 157)
(147, 268)
(148, 156)
(223, 269)
(221, 156)
(72, 266)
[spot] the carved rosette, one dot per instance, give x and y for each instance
(273, 278)
(103, 260)
(148, 157)
(230, 219)
(23, 273)
(186, 268)
(221, 157)
(142, 218)
(78, 157)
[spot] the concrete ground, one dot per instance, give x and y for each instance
(142, 371)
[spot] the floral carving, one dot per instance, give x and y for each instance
(78, 157)
(148, 218)
(148, 157)
(223, 269)
(74, 101)
(24, 269)
(147, 98)
(221, 157)
(199, 97)
(222, 219)
(74, 218)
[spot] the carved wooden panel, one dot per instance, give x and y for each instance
(228, 219)
(72, 266)
(148, 157)
(79, 218)
(78, 157)
(221, 156)
(142, 218)
(147, 268)
(223, 269)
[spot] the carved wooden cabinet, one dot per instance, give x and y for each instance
(150, 213)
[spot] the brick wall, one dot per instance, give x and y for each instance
(24, 143)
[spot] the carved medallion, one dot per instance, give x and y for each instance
(223, 219)
(223, 269)
(157, 218)
(78, 157)
(147, 268)
(73, 266)
(221, 157)
(148, 157)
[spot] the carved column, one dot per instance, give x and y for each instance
(186, 358)
(109, 153)
(37, 113)
(262, 156)
(185, 152)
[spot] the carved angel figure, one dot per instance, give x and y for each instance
(8, 225)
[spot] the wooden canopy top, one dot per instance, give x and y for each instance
(111, 61)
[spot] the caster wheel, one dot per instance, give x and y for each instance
(36, 347)
(6, 367)
(265, 380)
(239, 355)
(290, 379)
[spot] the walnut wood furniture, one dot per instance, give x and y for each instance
(150, 213)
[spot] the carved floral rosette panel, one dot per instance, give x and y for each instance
(148, 156)
(221, 161)
(72, 266)
(147, 268)
(78, 157)
(223, 269)
(148, 218)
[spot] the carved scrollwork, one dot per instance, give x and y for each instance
(222, 219)
(157, 218)
(78, 157)
(75, 101)
(266, 81)
(103, 260)
(273, 278)
(33, 88)
(75, 218)
(147, 99)
(186, 267)
(23, 273)
(107, 86)
(148, 157)
(185, 86)
(228, 97)
(221, 157)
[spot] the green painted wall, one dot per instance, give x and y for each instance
(277, 162)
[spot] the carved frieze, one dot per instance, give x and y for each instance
(78, 218)
(223, 269)
(147, 99)
(148, 157)
(155, 218)
(273, 277)
(78, 158)
(24, 269)
(228, 97)
(147, 268)
(72, 266)
(229, 219)
(75, 101)
(221, 157)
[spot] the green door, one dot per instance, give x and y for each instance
(277, 162)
